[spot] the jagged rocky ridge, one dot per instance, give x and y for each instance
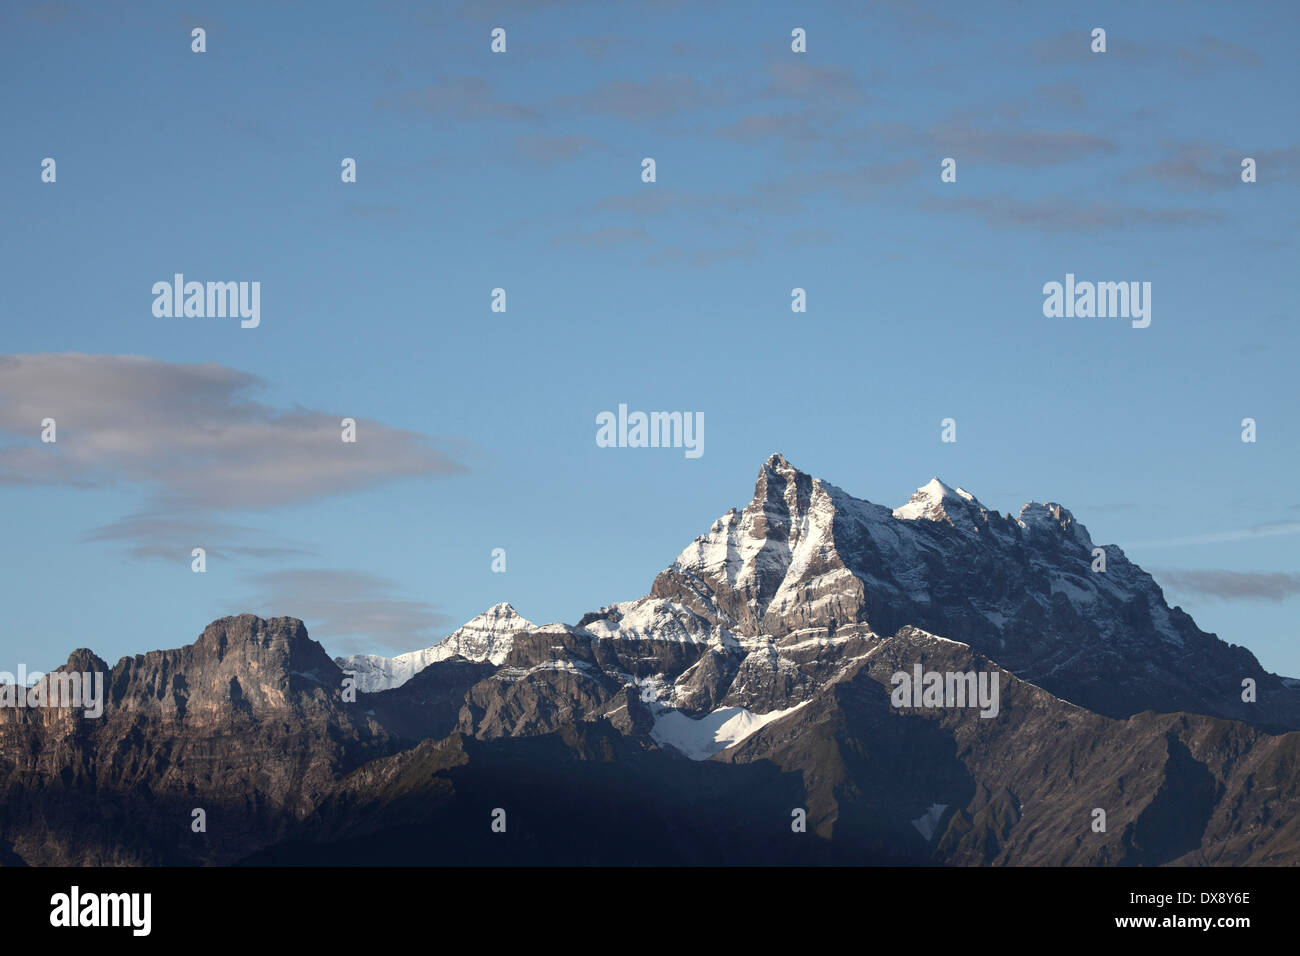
(764, 653)
(757, 608)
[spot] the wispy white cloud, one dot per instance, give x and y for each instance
(1231, 585)
(1242, 534)
(192, 435)
(195, 443)
(350, 611)
(171, 535)
(1061, 215)
(462, 97)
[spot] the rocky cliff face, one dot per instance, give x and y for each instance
(246, 723)
(754, 680)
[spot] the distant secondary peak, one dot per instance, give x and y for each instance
(935, 501)
(1050, 516)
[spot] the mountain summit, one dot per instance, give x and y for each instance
(806, 557)
(805, 561)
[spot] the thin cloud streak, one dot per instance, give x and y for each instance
(357, 612)
(1231, 585)
(1244, 534)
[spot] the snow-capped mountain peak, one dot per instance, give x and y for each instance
(937, 501)
(782, 597)
(486, 637)
(807, 564)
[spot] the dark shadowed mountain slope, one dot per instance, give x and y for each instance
(878, 785)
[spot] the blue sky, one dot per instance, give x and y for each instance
(775, 170)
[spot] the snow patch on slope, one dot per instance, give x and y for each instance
(928, 821)
(713, 733)
(655, 619)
